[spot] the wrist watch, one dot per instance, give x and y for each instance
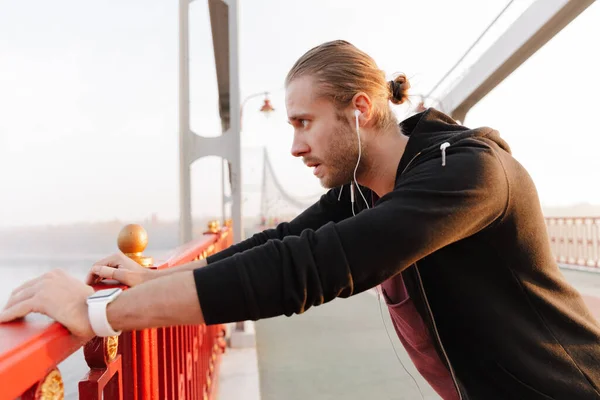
(97, 303)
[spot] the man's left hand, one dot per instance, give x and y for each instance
(57, 295)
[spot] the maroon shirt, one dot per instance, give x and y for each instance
(416, 338)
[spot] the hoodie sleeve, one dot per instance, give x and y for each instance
(431, 207)
(329, 208)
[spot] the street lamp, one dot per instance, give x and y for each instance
(266, 109)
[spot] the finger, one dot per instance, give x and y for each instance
(121, 275)
(19, 310)
(25, 285)
(104, 271)
(99, 272)
(20, 296)
(92, 277)
(112, 261)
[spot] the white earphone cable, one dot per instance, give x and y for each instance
(394, 347)
(356, 114)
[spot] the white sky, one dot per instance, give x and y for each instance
(88, 97)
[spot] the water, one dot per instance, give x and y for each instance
(17, 269)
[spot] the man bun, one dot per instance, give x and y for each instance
(399, 89)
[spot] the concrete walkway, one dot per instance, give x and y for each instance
(337, 351)
(342, 351)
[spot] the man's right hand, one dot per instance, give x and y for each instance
(118, 267)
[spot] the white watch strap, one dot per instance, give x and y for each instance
(99, 320)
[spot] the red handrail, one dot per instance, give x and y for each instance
(28, 351)
(31, 348)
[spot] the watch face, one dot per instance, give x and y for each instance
(103, 294)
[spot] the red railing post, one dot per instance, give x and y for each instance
(127, 346)
(104, 380)
(166, 363)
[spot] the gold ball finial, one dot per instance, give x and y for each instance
(133, 239)
(214, 226)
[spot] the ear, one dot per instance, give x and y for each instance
(362, 102)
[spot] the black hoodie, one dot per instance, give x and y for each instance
(466, 230)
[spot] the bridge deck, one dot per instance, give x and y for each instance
(340, 350)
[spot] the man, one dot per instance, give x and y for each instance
(441, 216)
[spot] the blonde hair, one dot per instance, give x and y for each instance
(341, 70)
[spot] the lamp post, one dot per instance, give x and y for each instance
(239, 334)
(266, 108)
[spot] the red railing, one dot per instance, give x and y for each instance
(575, 241)
(179, 362)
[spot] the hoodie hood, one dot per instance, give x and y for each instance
(431, 128)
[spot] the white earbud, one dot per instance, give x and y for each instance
(357, 113)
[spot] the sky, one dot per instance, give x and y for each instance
(89, 98)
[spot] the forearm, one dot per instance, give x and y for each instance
(325, 210)
(165, 301)
(255, 240)
(181, 268)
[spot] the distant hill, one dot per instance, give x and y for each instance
(101, 238)
(81, 238)
(576, 210)
(92, 238)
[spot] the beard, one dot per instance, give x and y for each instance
(341, 157)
